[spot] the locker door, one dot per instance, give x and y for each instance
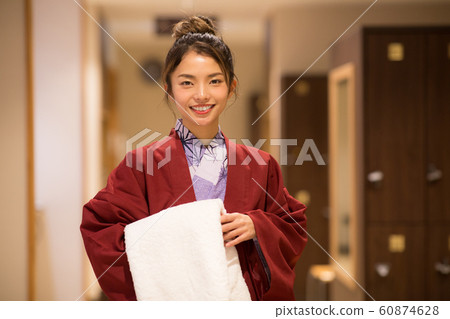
(438, 262)
(305, 116)
(395, 268)
(394, 128)
(438, 162)
(438, 120)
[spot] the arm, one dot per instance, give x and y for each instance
(121, 202)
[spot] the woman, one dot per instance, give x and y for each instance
(265, 224)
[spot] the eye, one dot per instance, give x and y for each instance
(186, 83)
(216, 81)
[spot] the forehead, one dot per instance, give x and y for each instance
(197, 64)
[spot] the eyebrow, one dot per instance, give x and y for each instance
(190, 76)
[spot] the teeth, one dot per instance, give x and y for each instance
(202, 108)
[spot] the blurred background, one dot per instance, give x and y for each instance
(368, 84)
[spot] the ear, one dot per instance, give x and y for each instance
(165, 87)
(232, 88)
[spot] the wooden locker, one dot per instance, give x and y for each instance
(438, 164)
(437, 269)
(305, 117)
(404, 76)
(394, 267)
(393, 125)
(438, 125)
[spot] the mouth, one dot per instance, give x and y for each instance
(202, 108)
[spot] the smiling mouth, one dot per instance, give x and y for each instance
(202, 109)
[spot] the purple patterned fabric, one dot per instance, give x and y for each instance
(208, 165)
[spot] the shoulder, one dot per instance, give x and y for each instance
(152, 153)
(158, 147)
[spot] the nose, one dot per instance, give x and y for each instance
(202, 94)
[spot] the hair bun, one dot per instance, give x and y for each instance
(194, 24)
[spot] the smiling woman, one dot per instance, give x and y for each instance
(199, 75)
(265, 226)
(200, 93)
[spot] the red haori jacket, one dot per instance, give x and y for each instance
(138, 188)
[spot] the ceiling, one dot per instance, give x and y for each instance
(133, 20)
(228, 7)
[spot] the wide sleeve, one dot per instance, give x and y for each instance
(280, 234)
(120, 203)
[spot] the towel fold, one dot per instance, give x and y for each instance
(178, 254)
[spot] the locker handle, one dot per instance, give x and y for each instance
(443, 267)
(375, 176)
(433, 173)
(383, 269)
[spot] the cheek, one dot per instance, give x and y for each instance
(180, 96)
(222, 94)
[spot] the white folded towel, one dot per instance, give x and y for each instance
(179, 254)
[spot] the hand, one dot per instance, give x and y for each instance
(236, 228)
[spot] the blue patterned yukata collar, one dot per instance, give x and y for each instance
(208, 165)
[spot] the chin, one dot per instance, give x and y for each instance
(204, 121)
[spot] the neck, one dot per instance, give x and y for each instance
(204, 133)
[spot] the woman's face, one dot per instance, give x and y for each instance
(200, 91)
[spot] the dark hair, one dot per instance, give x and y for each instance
(198, 33)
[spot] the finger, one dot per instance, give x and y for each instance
(228, 227)
(228, 218)
(228, 238)
(232, 234)
(238, 236)
(225, 219)
(236, 223)
(235, 241)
